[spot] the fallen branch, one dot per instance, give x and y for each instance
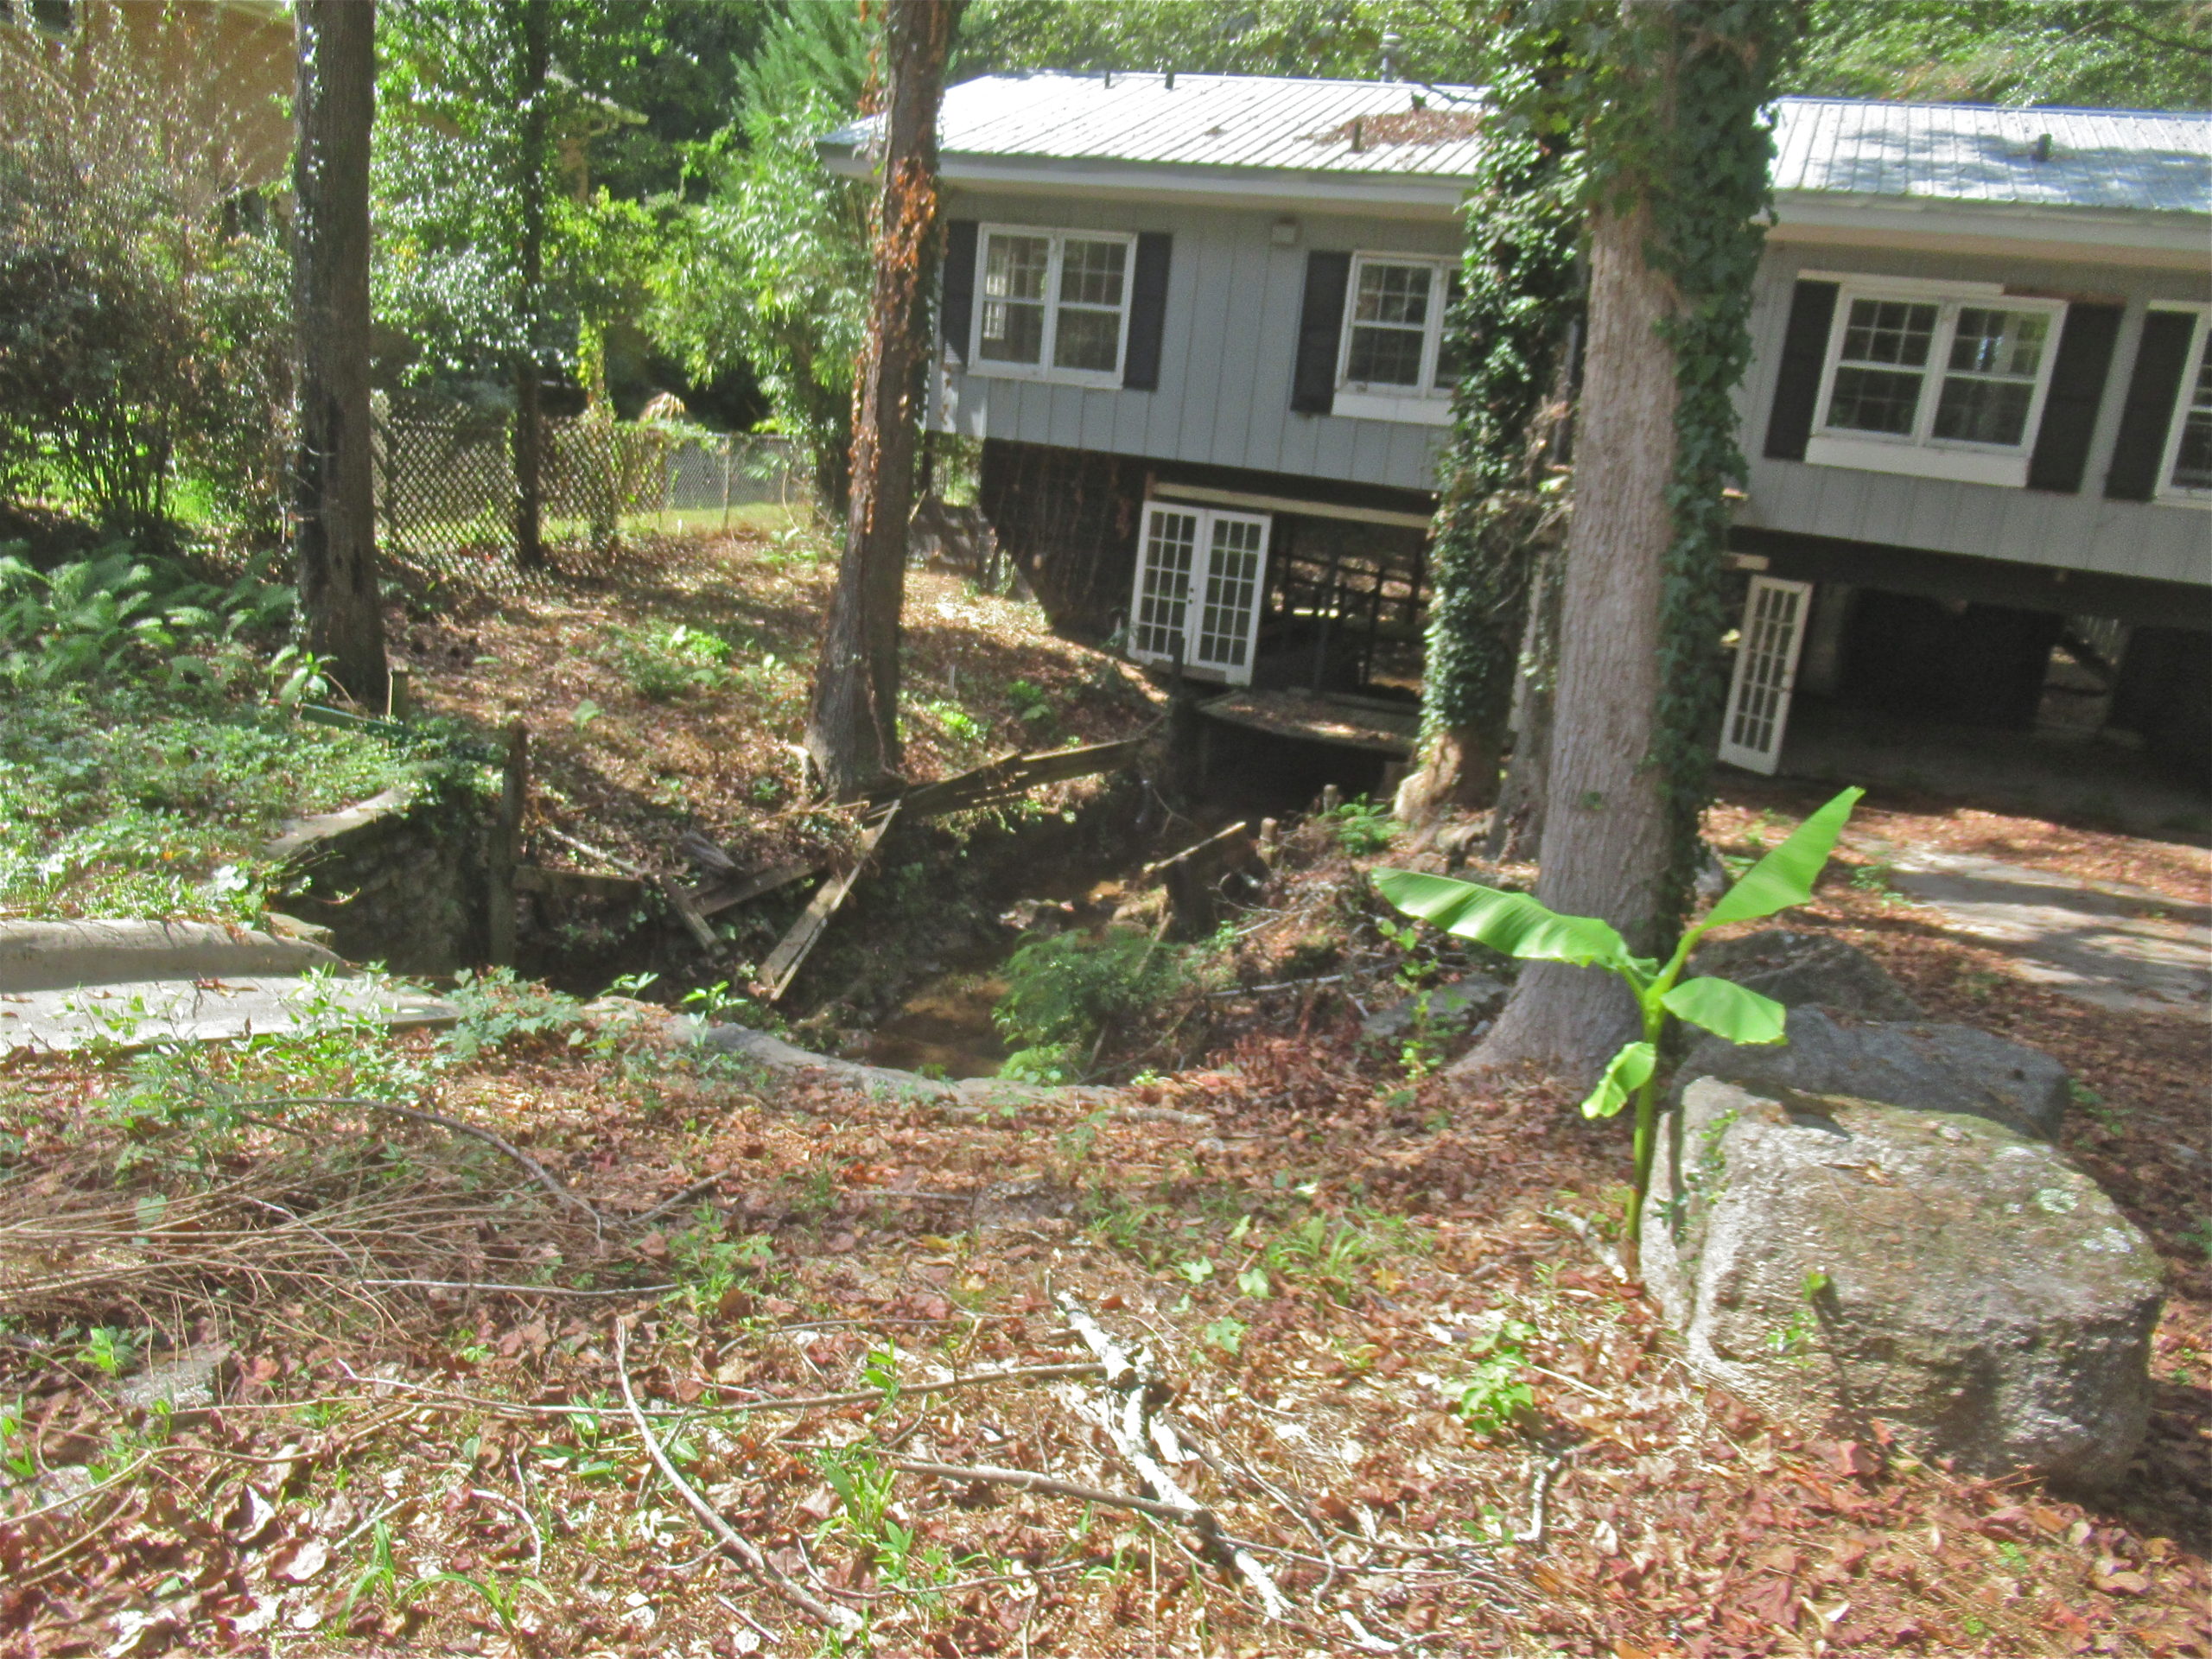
(1185, 1515)
(1128, 1377)
(840, 1619)
(808, 1403)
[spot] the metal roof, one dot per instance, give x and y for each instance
(1071, 124)
(1973, 153)
(1231, 121)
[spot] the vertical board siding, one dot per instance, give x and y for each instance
(2083, 532)
(1227, 347)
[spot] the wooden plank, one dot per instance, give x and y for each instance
(505, 850)
(1224, 850)
(791, 952)
(712, 897)
(679, 900)
(577, 884)
(1013, 775)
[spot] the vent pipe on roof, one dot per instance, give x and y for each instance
(1171, 80)
(1390, 44)
(2043, 147)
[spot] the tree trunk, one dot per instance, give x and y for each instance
(1604, 840)
(1458, 773)
(852, 728)
(333, 533)
(530, 430)
(1516, 825)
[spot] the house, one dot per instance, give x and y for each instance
(1979, 417)
(1195, 323)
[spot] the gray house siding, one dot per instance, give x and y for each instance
(2080, 531)
(1229, 345)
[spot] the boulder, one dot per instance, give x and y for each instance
(1835, 1261)
(1448, 1009)
(1800, 969)
(1930, 1067)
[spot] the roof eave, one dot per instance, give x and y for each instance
(2122, 235)
(1412, 195)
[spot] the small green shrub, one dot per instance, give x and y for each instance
(1063, 991)
(1497, 1395)
(662, 661)
(1362, 826)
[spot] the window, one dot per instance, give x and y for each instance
(1395, 365)
(2186, 473)
(1054, 304)
(1944, 382)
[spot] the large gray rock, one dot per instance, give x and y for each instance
(1834, 1261)
(1930, 1067)
(1802, 970)
(1446, 1009)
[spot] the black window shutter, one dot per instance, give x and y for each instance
(958, 286)
(1148, 312)
(1320, 324)
(2148, 414)
(2069, 409)
(1804, 358)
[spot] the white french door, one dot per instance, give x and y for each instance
(1200, 572)
(1766, 672)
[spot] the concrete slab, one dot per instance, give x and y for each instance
(2103, 943)
(141, 1014)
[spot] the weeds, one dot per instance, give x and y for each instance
(1497, 1395)
(1361, 826)
(1064, 992)
(664, 660)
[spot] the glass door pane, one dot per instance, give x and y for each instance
(1235, 552)
(1164, 570)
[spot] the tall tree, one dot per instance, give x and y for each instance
(532, 65)
(1670, 95)
(334, 528)
(852, 725)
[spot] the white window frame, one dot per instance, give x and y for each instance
(2167, 490)
(1195, 599)
(1427, 404)
(1921, 455)
(1044, 369)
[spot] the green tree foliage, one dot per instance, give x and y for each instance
(772, 270)
(2123, 53)
(448, 182)
(145, 327)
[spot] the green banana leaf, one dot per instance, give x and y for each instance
(1785, 876)
(1625, 1073)
(1511, 922)
(1728, 1010)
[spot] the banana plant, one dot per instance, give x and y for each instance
(1516, 924)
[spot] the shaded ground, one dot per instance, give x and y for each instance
(1348, 1278)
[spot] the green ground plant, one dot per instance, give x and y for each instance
(1518, 926)
(1362, 826)
(1064, 992)
(664, 661)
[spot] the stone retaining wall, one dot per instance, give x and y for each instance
(396, 879)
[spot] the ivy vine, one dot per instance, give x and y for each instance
(1596, 100)
(1520, 294)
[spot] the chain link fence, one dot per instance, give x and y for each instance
(445, 482)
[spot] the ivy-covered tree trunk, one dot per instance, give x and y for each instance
(1678, 156)
(1516, 313)
(852, 726)
(531, 98)
(333, 535)
(1605, 837)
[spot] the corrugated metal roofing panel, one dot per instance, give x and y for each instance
(1958, 152)
(1938, 152)
(1247, 121)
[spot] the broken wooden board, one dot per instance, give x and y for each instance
(712, 897)
(1014, 775)
(577, 884)
(1219, 853)
(791, 952)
